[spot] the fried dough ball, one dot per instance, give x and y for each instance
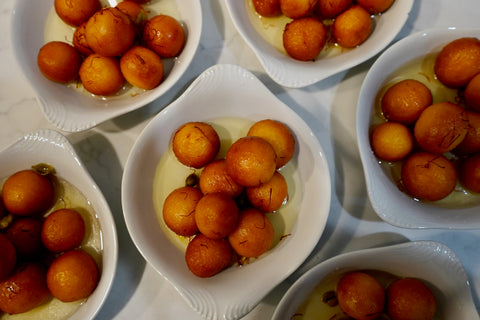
(470, 173)
(101, 75)
(80, 41)
(109, 32)
(304, 38)
(205, 257)
(392, 141)
(76, 12)
(164, 35)
(360, 296)
(216, 215)
(405, 100)
(72, 276)
(278, 135)
(59, 61)
(329, 9)
(63, 230)
(352, 27)
(375, 6)
(267, 8)
(472, 93)
(195, 144)
(136, 13)
(27, 192)
(297, 8)
(179, 210)
(25, 235)
(269, 196)
(458, 62)
(30, 289)
(8, 258)
(471, 143)
(441, 127)
(142, 67)
(251, 161)
(428, 176)
(253, 235)
(410, 299)
(214, 178)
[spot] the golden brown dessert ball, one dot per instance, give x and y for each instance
(109, 32)
(472, 93)
(251, 161)
(8, 258)
(392, 141)
(216, 215)
(405, 100)
(27, 192)
(101, 75)
(195, 144)
(63, 230)
(76, 12)
(375, 6)
(267, 8)
(142, 67)
(352, 27)
(214, 178)
(471, 143)
(269, 196)
(80, 40)
(428, 176)
(458, 62)
(329, 9)
(297, 8)
(441, 127)
(59, 61)
(25, 235)
(72, 276)
(30, 289)
(469, 174)
(205, 257)
(134, 10)
(410, 299)
(360, 296)
(278, 135)
(179, 210)
(304, 38)
(164, 35)
(253, 235)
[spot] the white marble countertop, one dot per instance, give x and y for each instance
(328, 107)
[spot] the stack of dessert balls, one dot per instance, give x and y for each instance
(316, 23)
(111, 46)
(223, 210)
(437, 144)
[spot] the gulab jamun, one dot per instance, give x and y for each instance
(392, 141)
(375, 6)
(352, 27)
(142, 67)
(269, 196)
(472, 93)
(206, 257)
(63, 230)
(214, 178)
(59, 61)
(179, 210)
(8, 258)
(329, 9)
(471, 143)
(216, 215)
(469, 174)
(296, 9)
(267, 8)
(101, 75)
(76, 12)
(164, 35)
(304, 38)
(25, 235)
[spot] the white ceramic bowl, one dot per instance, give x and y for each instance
(51, 147)
(226, 91)
(432, 262)
(35, 22)
(392, 205)
(292, 73)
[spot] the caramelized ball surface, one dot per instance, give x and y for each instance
(216, 215)
(269, 196)
(470, 173)
(206, 257)
(80, 40)
(63, 230)
(352, 27)
(27, 193)
(164, 35)
(142, 67)
(471, 143)
(8, 258)
(392, 141)
(375, 6)
(304, 38)
(25, 235)
(101, 75)
(76, 12)
(428, 176)
(59, 61)
(72, 276)
(405, 100)
(410, 299)
(135, 11)
(179, 210)
(195, 144)
(214, 178)
(329, 9)
(296, 9)
(472, 93)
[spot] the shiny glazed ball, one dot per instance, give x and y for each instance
(164, 35)
(63, 230)
(304, 38)
(352, 27)
(471, 143)
(216, 215)
(214, 178)
(267, 8)
(329, 9)
(76, 12)
(472, 93)
(410, 299)
(206, 257)
(392, 141)
(269, 196)
(470, 173)
(142, 67)
(80, 41)
(375, 6)
(296, 9)
(179, 210)
(58, 61)
(101, 75)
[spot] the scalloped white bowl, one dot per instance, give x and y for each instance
(51, 147)
(392, 205)
(226, 91)
(295, 74)
(73, 110)
(433, 262)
